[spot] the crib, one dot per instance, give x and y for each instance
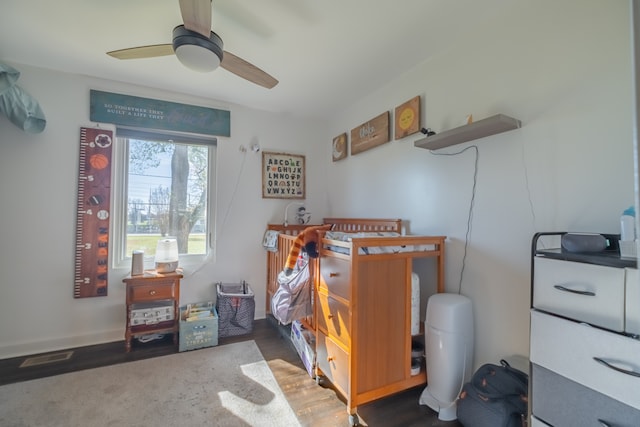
(288, 233)
(362, 304)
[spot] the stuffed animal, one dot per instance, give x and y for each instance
(307, 238)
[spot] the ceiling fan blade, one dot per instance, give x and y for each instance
(247, 71)
(150, 51)
(196, 15)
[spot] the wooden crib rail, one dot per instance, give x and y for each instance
(290, 229)
(355, 225)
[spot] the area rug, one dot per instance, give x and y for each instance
(229, 385)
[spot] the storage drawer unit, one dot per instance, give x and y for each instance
(585, 360)
(363, 308)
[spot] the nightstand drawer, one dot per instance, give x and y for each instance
(581, 353)
(335, 276)
(588, 293)
(152, 291)
(333, 318)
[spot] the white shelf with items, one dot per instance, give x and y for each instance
(482, 128)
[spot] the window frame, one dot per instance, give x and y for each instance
(119, 193)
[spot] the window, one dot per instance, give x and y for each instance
(165, 190)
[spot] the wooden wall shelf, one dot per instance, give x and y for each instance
(486, 127)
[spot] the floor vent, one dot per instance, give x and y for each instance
(47, 358)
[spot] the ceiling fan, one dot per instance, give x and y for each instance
(199, 48)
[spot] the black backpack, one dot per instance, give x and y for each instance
(496, 396)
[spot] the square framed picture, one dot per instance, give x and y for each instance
(283, 176)
(407, 118)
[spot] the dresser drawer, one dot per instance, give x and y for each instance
(632, 302)
(152, 291)
(553, 394)
(584, 292)
(333, 319)
(570, 349)
(335, 276)
(333, 362)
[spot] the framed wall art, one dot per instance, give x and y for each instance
(339, 147)
(283, 176)
(370, 134)
(407, 118)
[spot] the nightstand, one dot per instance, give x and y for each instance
(153, 301)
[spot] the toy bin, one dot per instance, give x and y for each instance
(305, 343)
(236, 308)
(198, 326)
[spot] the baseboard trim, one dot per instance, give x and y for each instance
(58, 344)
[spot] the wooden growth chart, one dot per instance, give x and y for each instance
(92, 227)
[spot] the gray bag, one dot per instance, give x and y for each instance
(496, 396)
(292, 300)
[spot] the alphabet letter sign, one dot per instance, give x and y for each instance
(282, 176)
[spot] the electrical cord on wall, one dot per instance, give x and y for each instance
(224, 220)
(471, 204)
(235, 190)
(531, 207)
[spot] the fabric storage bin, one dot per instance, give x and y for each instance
(553, 394)
(236, 308)
(198, 326)
(151, 313)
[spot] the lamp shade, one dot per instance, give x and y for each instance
(167, 255)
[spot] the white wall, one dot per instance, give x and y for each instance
(38, 182)
(564, 69)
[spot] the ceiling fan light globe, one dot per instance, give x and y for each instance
(197, 58)
(195, 51)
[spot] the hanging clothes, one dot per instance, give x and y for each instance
(22, 109)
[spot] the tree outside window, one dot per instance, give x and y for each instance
(167, 195)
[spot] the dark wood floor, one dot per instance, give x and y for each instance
(314, 405)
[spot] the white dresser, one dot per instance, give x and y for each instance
(585, 352)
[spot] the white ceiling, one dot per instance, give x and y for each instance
(325, 53)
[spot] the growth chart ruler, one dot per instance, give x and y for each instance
(92, 223)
